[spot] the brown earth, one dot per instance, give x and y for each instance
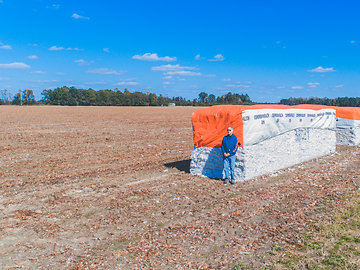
(109, 188)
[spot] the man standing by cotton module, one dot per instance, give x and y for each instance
(229, 147)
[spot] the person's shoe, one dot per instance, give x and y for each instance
(232, 182)
(226, 181)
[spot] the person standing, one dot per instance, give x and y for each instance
(229, 147)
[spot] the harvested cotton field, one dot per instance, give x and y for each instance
(110, 188)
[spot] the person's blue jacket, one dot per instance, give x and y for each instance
(229, 144)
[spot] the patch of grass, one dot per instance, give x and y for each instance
(333, 245)
(316, 245)
(335, 261)
(239, 266)
(115, 244)
(280, 177)
(286, 262)
(276, 248)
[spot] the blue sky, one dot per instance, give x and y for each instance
(267, 49)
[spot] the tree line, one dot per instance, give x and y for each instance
(340, 101)
(72, 96)
(23, 97)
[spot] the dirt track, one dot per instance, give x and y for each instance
(108, 188)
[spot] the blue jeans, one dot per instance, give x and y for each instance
(229, 164)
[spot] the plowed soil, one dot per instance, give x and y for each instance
(109, 188)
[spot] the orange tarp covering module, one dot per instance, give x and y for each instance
(352, 113)
(209, 124)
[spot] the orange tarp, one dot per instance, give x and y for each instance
(352, 113)
(209, 124)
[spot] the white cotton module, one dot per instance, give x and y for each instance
(347, 123)
(272, 137)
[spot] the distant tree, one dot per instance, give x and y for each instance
(211, 98)
(245, 98)
(28, 97)
(4, 97)
(17, 99)
(152, 99)
(24, 97)
(203, 96)
(103, 98)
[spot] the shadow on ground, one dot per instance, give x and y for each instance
(182, 165)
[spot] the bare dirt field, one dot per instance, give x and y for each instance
(109, 188)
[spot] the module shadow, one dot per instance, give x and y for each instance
(182, 165)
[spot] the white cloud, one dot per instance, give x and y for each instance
(313, 84)
(170, 67)
(32, 57)
(154, 57)
(167, 83)
(297, 87)
(167, 77)
(95, 83)
(245, 84)
(171, 70)
(82, 62)
(106, 71)
(127, 83)
(106, 50)
(217, 58)
(197, 57)
(77, 16)
(237, 85)
(280, 44)
(226, 80)
(339, 86)
(55, 48)
(44, 81)
(15, 65)
(54, 6)
(39, 72)
(60, 73)
(183, 73)
(209, 75)
(5, 47)
(322, 70)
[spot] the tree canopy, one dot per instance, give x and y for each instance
(340, 101)
(89, 97)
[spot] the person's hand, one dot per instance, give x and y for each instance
(226, 154)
